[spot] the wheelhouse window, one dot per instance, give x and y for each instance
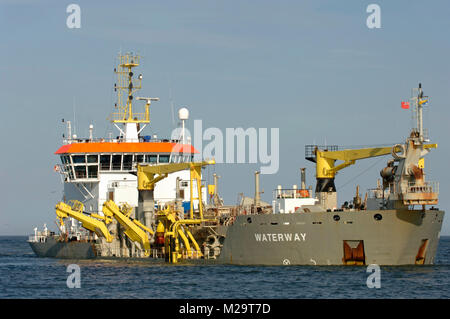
(78, 159)
(151, 158)
(164, 158)
(139, 158)
(127, 162)
(92, 159)
(116, 162)
(81, 166)
(92, 171)
(105, 162)
(80, 171)
(69, 169)
(65, 159)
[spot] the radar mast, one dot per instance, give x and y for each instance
(125, 87)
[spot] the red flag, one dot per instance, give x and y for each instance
(405, 105)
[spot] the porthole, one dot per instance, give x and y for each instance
(249, 220)
(336, 217)
(377, 217)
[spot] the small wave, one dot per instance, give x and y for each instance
(26, 255)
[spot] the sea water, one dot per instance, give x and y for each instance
(24, 275)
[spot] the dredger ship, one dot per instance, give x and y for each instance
(137, 196)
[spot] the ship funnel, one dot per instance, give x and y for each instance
(303, 177)
(257, 197)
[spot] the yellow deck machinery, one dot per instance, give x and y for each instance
(133, 229)
(171, 225)
(74, 209)
(326, 168)
(169, 217)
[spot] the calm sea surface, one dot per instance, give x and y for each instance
(23, 275)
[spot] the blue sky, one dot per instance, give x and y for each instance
(310, 68)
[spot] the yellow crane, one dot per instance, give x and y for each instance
(326, 167)
(133, 228)
(75, 209)
(148, 176)
(325, 160)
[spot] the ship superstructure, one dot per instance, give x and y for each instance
(95, 170)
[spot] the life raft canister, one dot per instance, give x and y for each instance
(303, 193)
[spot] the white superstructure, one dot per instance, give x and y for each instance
(96, 170)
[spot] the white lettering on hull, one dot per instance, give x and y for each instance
(268, 237)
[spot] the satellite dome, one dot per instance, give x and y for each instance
(183, 113)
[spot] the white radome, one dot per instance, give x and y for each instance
(183, 113)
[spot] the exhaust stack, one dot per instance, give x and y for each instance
(303, 176)
(257, 197)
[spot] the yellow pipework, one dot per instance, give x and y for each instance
(174, 231)
(185, 240)
(197, 247)
(148, 176)
(196, 174)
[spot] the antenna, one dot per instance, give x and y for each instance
(419, 110)
(126, 85)
(148, 99)
(171, 102)
(420, 101)
(74, 122)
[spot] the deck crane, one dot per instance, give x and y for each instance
(325, 159)
(74, 209)
(148, 176)
(406, 178)
(133, 228)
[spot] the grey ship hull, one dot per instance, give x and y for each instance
(64, 250)
(317, 239)
(309, 239)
